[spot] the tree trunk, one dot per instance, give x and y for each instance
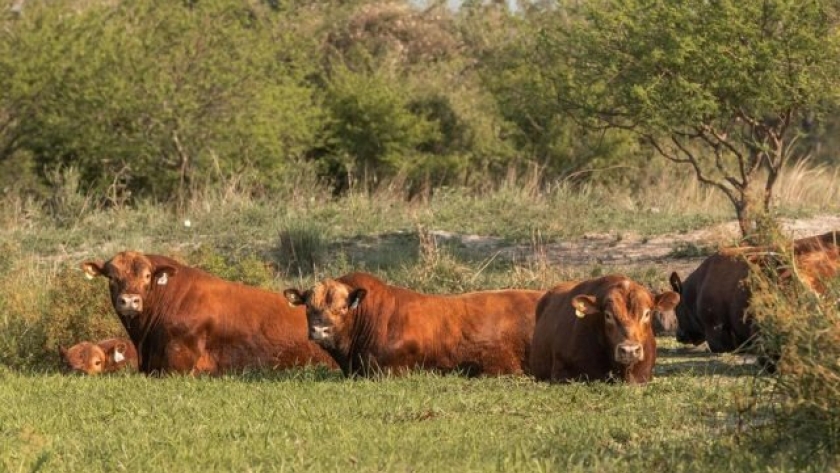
(745, 221)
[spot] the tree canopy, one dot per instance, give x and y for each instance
(727, 87)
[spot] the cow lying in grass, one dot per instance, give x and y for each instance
(600, 329)
(715, 297)
(105, 356)
(371, 327)
(184, 320)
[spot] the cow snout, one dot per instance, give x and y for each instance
(320, 332)
(129, 303)
(629, 353)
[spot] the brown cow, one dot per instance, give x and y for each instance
(105, 356)
(598, 329)
(665, 323)
(715, 297)
(369, 327)
(184, 320)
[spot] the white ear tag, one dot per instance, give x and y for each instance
(88, 276)
(354, 304)
(163, 279)
(579, 310)
(118, 356)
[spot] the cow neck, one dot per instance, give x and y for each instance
(368, 323)
(160, 304)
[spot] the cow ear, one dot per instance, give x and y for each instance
(585, 305)
(163, 273)
(119, 352)
(676, 284)
(294, 297)
(93, 269)
(355, 298)
(668, 300)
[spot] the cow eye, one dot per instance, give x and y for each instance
(148, 276)
(97, 362)
(646, 316)
(608, 315)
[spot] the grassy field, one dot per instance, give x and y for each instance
(316, 421)
(699, 414)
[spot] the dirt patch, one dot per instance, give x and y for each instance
(681, 252)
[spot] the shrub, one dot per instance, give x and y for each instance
(247, 269)
(802, 330)
(301, 248)
(42, 310)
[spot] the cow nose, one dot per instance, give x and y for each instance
(320, 332)
(130, 302)
(629, 352)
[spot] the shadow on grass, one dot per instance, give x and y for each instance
(700, 363)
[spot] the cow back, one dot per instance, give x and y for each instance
(395, 329)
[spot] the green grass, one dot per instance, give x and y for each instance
(314, 420)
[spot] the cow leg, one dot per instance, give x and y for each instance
(180, 358)
(558, 370)
(204, 364)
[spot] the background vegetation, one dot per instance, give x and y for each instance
(278, 142)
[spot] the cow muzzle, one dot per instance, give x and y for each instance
(628, 353)
(129, 304)
(320, 333)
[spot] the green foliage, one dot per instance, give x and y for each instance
(721, 86)
(246, 269)
(146, 98)
(40, 312)
(531, 101)
(374, 130)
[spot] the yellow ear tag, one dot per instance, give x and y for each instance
(88, 276)
(579, 311)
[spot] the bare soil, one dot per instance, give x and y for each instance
(681, 252)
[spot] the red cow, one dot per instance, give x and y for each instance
(600, 329)
(369, 326)
(184, 320)
(105, 356)
(715, 297)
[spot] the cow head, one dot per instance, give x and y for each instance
(131, 276)
(328, 308)
(628, 310)
(85, 357)
(689, 329)
(665, 322)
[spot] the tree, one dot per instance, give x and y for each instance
(150, 98)
(722, 86)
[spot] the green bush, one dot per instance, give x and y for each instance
(244, 268)
(802, 331)
(41, 311)
(145, 98)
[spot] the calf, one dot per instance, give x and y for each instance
(105, 356)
